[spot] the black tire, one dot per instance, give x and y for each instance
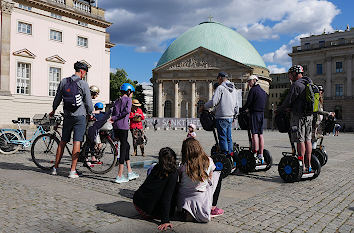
(43, 151)
(107, 155)
(316, 166)
(236, 148)
(325, 155)
(267, 159)
(9, 148)
(289, 169)
(222, 164)
(319, 155)
(246, 161)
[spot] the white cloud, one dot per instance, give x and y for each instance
(274, 69)
(148, 25)
(112, 70)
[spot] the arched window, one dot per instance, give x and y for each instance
(199, 105)
(168, 109)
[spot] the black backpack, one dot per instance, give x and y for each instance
(71, 95)
(282, 122)
(208, 120)
(243, 120)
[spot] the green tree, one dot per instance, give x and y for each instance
(116, 81)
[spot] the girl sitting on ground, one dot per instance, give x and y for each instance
(191, 133)
(199, 187)
(154, 198)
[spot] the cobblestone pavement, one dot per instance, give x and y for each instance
(34, 201)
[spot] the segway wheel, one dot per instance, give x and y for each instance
(267, 159)
(222, 164)
(246, 161)
(319, 155)
(316, 166)
(324, 153)
(289, 169)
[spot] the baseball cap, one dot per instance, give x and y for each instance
(252, 77)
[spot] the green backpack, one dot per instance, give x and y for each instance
(312, 98)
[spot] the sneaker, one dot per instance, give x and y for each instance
(260, 158)
(310, 169)
(121, 179)
(216, 212)
(54, 171)
(132, 176)
(73, 174)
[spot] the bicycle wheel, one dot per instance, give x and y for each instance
(43, 151)
(5, 146)
(106, 154)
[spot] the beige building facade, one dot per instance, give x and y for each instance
(181, 85)
(328, 60)
(40, 42)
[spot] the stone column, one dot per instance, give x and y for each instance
(176, 100)
(328, 77)
(349, 75)
(193, 99)
(210, 90)
(159, 100)
(6, 10)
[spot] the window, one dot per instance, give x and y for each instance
(305, 68)
(168, 109)
(82, 23)
(55, 16)
(24, 7)
(321, 44)
(82, 41)
(307, 45)
(55, 35)
(200, 104)
(24, 28)
(339, 67)
(341, 41)
(319, 69)
(339, 89)
(54, 80)
(23, 78)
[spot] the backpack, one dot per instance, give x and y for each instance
(243, 120)
(207, 120)
(312, 98)
(71, 95)
(282, 122)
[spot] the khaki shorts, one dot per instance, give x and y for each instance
(301, 128)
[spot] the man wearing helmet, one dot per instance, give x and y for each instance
(74, 118)
(120, 118)
(300, 122)
(256, 101)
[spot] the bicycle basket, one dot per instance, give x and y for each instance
(42, 120)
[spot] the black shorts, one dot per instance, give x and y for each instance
(257, 122)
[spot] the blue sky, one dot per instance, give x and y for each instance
(142, 30)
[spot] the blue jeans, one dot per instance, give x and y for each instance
(224, 126)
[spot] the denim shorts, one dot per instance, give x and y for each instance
(76, 124)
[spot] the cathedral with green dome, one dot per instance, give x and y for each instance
(184, 76)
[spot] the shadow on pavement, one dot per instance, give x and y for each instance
(274, 179)
(18, 166)
(128, 193)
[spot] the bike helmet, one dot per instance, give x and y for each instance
(99, 106)
(297, 69)
(127, 87)
(94, 89)
(80, 66)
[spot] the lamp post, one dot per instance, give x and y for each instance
(272, 116)
(186, 116)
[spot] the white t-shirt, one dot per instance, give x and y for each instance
(188, 183)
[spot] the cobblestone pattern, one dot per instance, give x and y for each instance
(325, 204)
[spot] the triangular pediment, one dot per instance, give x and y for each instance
(56, 58)
(199, 59)
(24, 53)
(85, 62)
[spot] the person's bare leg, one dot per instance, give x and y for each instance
(261, 144)
(59, 155)
(75, 156)
(255, 142)
(301, 152)
(308, 148)
(128, 166)
(120, 170)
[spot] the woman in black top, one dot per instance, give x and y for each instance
(154, 198)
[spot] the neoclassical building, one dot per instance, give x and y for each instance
(40, 42)
(328, 60)
(184, 76)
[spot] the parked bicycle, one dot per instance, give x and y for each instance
(11, 140)
(44, 149)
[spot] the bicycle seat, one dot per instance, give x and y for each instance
(15, 121)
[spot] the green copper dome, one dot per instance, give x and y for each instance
(217, 38)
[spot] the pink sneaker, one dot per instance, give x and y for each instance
(217, 212)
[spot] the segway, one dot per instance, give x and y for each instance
(247, 162)
(290, 167)
(224, 163)
(320, 151)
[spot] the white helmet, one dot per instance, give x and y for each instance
(252, 77)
